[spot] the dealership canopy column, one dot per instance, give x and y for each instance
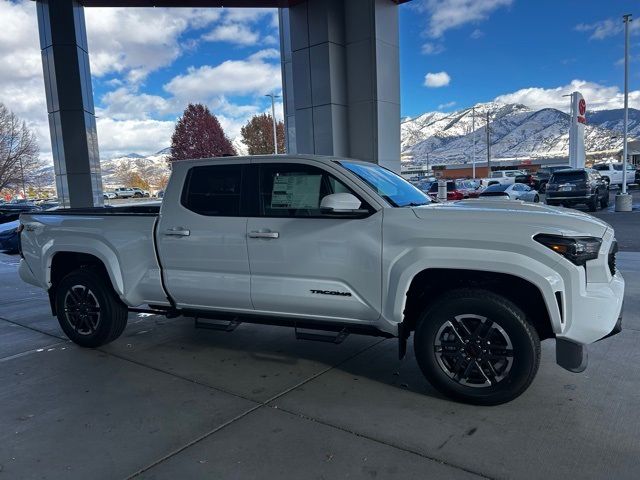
(341, 79)
(72, 123)
(340, 63)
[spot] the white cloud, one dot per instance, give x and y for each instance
(606, 28)
(235, 33)
(252, 76)
(447, 14)
(436, 80)
(431, 48)
(126, 45)
(236, 27)
(133, 135)
(598, 97)
(476, 34)
(446, 106)
(138, 41)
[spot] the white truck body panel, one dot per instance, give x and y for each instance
(366, 264)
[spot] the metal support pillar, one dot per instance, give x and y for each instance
(341, 79)
(65, 61)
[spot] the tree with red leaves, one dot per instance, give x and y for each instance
(257, 135)
(198, 134)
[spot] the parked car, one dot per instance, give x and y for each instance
(11, 211)
(9, 236)
(378, 259)
(578, 186)
(452, 191)
(124, 192)
(504, 177)
(540, 179)
(139, 193)
(515, 191)
(109, 195)
(612, 172)
(468, 188)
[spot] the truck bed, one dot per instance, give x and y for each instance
(121, 238)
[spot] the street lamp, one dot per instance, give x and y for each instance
(624, 201)
(273, 117)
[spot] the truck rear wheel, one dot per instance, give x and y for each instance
(88, 310)
(477, 347)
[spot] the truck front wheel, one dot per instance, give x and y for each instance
(89, 311)
(477, 347)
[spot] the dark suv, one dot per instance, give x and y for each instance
(578, 185)
(540, 179)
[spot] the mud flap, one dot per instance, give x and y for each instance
(571, 356)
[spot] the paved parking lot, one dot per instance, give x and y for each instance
(169, 401)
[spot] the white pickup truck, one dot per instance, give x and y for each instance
(612, 173)
(503, 177)
(339, 246)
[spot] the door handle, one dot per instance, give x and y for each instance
(256, 234)
(177, 232)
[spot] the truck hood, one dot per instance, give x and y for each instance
(515, 213)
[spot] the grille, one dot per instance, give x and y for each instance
(612, 257)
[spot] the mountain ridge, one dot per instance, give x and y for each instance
(515, 131)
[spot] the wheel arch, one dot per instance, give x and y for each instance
(63, 262)
(429, 284)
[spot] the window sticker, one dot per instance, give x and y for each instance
(296, 191)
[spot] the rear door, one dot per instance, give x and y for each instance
(202, 239)
(305, 263)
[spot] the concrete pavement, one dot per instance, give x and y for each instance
(169, 401)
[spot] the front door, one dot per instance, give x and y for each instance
(304, 263)
(202, 239)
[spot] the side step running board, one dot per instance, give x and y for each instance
(322, 337)
(221, 325)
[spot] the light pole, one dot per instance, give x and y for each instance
(473, 151)
(273, 117)
(624, 201)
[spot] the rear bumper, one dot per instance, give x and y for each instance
(578, 197)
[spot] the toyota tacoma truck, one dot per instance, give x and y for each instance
(333, 247)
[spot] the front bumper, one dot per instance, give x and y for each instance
(573, 356)
(600, 314)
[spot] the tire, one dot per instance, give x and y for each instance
(438, 347)
(137, 195)
(604, 201)
(536, 199)
(593, 203)
(99, 318)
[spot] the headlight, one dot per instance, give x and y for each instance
(576, 249)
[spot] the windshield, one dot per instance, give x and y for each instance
(393, 188)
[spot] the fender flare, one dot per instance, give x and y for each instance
(99, 250)
(406, 267)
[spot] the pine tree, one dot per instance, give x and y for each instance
(257, 135)
(198, 134)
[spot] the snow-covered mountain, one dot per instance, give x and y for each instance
(152, 168)
(515, 131)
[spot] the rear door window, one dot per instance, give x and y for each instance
(213, 190)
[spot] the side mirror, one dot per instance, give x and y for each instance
(341, 204)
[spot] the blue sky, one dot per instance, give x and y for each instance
(147, 64)
(513, 45)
